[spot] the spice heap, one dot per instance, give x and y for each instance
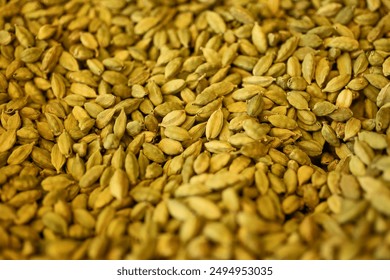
(206, 129)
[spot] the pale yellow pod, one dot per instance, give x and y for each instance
(322, 71)
(337, 83)
(344, 98)
(259, 38)
(293, 67)
(216, 22)
(214, 124)
(344, 64)
(342, 42)
(119, 184)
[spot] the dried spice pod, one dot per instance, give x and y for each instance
(194, 130)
